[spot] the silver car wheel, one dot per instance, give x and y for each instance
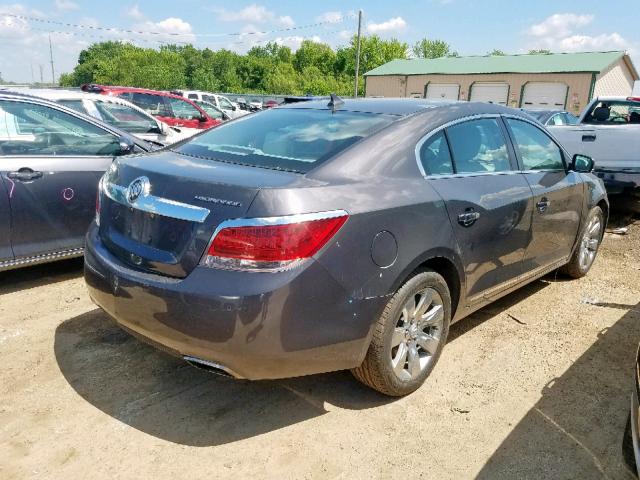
(589, 243)
(416, 336)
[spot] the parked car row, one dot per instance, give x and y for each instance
(174, 110)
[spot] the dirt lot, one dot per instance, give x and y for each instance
(534, 386)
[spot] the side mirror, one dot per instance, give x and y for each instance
(126, 146)
(202, 119)
(582, 163)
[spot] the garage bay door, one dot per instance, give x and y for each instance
(437, 91)
(547, 95)
(490, 93)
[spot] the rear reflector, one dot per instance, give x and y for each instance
(272, 244)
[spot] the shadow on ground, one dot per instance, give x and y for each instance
(164, 397)
(576, 429)
(13, 281)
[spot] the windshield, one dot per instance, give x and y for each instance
(126, 118)
(614, 112)
(285, 139)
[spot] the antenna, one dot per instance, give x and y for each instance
(53, 75)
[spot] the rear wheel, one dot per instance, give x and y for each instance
(589, 242)
(408, 337)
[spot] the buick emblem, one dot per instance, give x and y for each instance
(139, 187)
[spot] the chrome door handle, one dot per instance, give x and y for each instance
(24, 175)
(543, 204)
(468, 218)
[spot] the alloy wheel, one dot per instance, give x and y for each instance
(589, 243)
(416, 336)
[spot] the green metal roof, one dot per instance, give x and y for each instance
(553, 63)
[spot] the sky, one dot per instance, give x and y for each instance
(472, 27)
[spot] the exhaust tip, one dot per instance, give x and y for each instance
(211, 367)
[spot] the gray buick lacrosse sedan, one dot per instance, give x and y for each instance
(337, 235)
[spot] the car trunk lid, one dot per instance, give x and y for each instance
(158, 212)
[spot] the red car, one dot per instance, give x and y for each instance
(172, 109)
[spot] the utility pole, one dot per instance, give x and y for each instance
(53, 75)
(33, 79)
(355, 88)
(41, 75)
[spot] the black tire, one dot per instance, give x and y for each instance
(575, 268)
(376, 370)
(627, 448)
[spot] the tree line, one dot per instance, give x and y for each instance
(314, 68)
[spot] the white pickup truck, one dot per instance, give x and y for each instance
(609, 132)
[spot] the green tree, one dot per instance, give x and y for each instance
(315, 54)
(541, 51)
(283, 80)
(496, 53)
(426, 48)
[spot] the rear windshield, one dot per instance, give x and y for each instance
(285, 139)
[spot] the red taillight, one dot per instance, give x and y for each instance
(272, 243)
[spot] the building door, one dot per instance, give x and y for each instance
(545, 95)
(497, 93)
(442, 91)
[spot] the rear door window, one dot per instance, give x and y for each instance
(537, 150)
(435, 156)
(294, 139)
(478, 146)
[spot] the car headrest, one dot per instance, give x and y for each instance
(601, 114)
(634, 117)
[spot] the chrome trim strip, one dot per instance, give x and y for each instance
(506, 285)
(422, 141)
(280, 220)
(158, 205)
(36, 259)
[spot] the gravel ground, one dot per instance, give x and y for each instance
(536, 385)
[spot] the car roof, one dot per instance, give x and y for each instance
(399, 106)
(116, 88)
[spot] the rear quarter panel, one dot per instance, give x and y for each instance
(378, 183)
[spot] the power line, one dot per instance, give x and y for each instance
(172, 34)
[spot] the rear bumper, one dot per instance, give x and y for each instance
(254, 325)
